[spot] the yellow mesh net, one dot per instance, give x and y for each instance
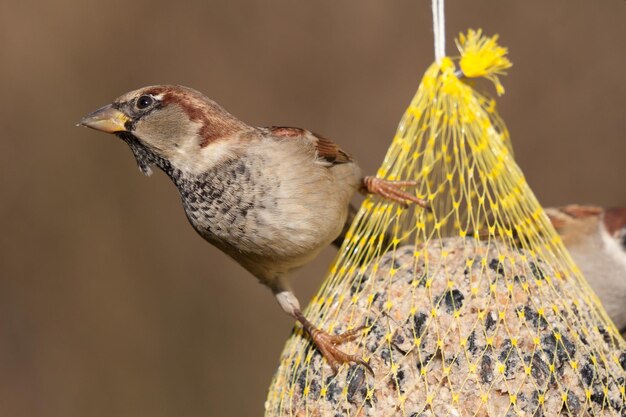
(471, 309)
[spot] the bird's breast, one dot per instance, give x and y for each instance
(219, 203)
(255, 207)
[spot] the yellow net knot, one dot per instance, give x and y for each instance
(481, 56)
(446, 64)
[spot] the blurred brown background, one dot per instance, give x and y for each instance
(110, 304)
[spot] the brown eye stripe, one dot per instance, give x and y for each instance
(214, 120)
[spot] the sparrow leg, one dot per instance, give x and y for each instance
(326, 343)
(391, 190)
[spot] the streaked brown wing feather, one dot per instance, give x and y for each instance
(330, 151)
(326, 149)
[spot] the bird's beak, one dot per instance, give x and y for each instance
(105, 119)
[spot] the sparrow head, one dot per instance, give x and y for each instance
(164, 123)
(580, 224)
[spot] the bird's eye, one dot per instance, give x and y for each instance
(144, 102)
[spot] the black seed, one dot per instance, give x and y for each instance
(355, 378)
(598, 397)
(606, 336)
(564, 348)
(453, 300)
(519, 279)
(572, 404)
(534, 318)
(587, 373)
(508, 356)
(314, 389)
(622, 360)
(496, 266)
(333, 391)
(471, 343)
(486, 369)
(570, 347)
(399, 379)
(301, 380)
(537, 272)
(548, 343)
(424, 361)
(535, 401)
(400, 375)
(490, 322)
(539, 369)
(385, 355)
(419, 320)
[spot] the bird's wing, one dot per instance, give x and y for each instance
(327, 150)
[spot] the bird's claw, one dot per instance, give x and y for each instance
(391, 190)
(327, 344)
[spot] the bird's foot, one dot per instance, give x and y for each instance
(391, 190)
(327, 345)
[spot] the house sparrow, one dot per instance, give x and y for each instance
(596, 239)
(272, 198)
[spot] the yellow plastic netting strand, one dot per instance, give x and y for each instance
(471, 309)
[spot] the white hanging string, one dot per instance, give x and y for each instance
(439, 29)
